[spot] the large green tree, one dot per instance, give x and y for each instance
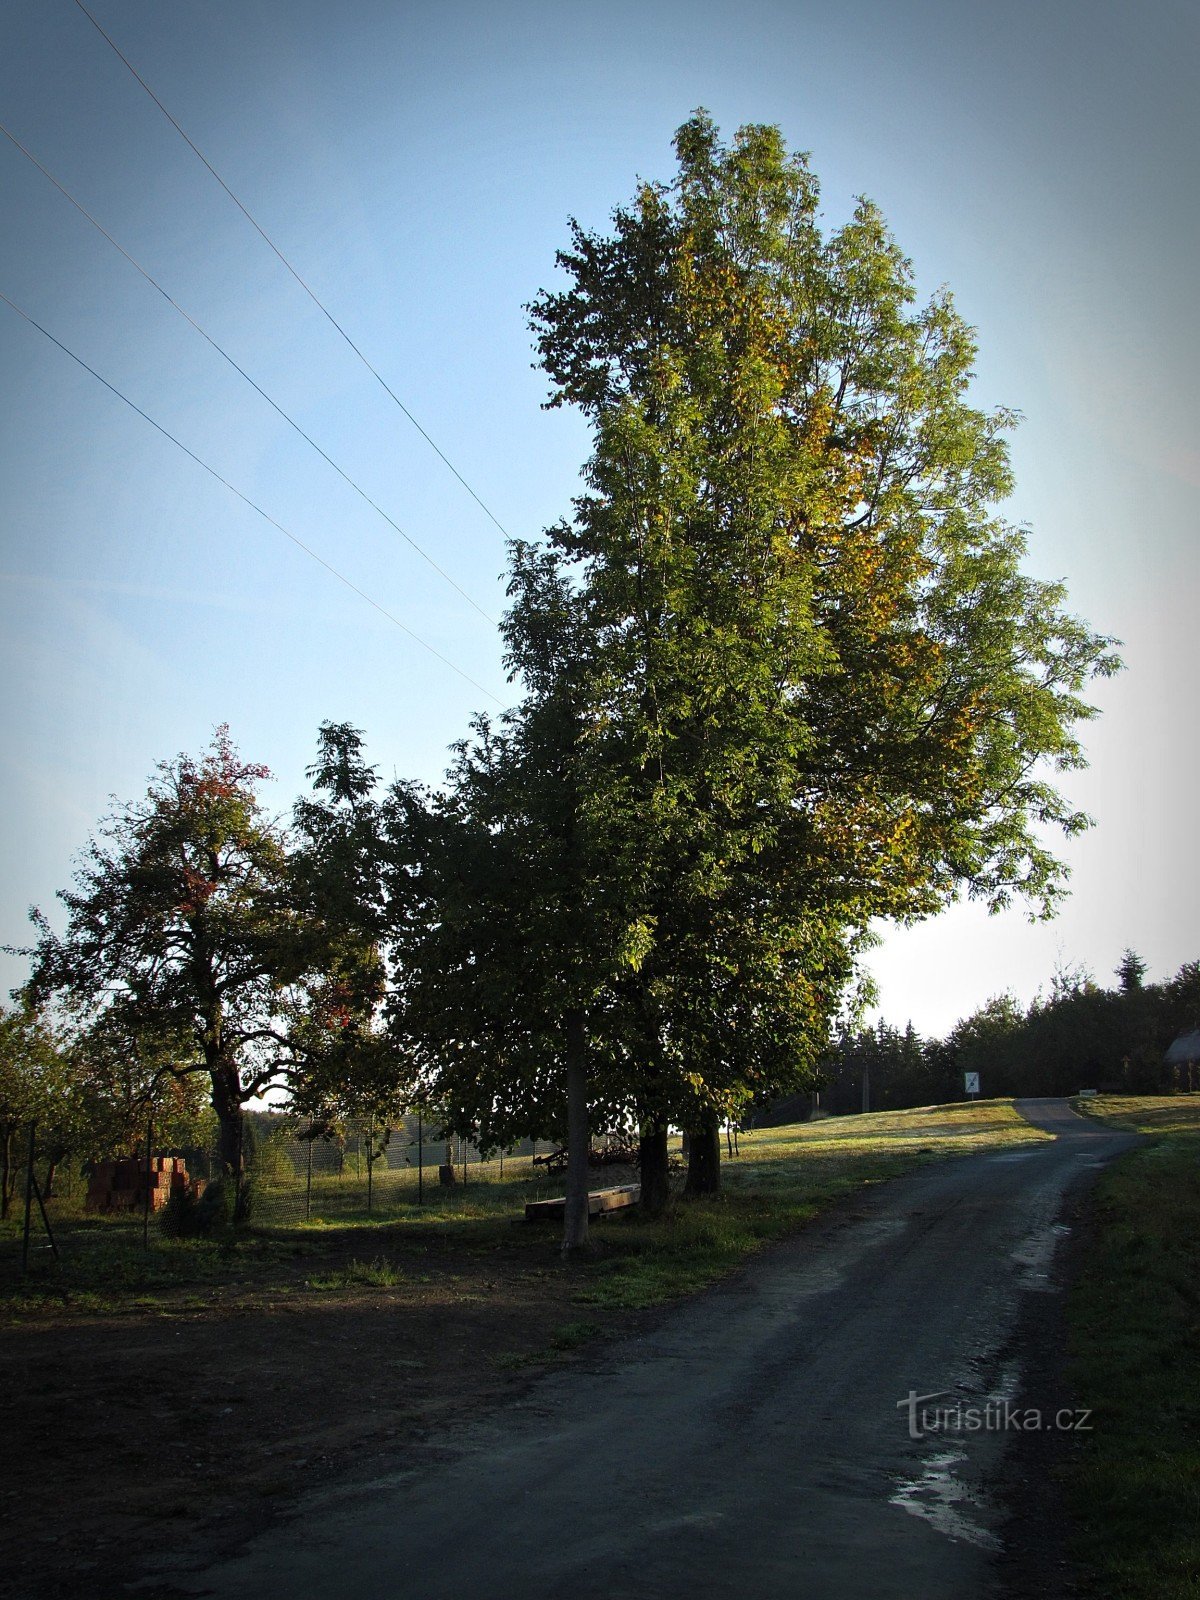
(501, 936)
(818, 688)
(781, 674)
(506, 934)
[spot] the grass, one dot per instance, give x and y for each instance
(104, 1267)
(377, 1274)
(1135, 1357)
(1145, 1113)
(780, 1179)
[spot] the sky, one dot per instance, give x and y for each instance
(418, 164)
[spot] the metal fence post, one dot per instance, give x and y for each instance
(33, 1188)
(146, 1196)
(308, 1177)
(420, 1159)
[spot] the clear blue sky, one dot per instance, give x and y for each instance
(418, 164)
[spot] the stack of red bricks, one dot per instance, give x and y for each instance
(121, 1185)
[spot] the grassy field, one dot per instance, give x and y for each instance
(1135, 1356)
(780, 1179)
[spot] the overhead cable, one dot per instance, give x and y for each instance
(310, 292)
(224, 354)
(246, 500)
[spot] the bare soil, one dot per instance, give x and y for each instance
(190, 1425)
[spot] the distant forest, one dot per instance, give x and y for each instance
(1081, 1036)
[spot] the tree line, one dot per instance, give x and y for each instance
(779, 674)
(1079, 1035)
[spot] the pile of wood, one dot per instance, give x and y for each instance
(612, 1154)
(121, 1185)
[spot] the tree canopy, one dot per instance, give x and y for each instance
(189, 945)
(814, 684)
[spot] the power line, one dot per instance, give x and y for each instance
(246, 500)
(311, 293)
(274, 404)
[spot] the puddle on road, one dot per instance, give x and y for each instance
(941, 1499)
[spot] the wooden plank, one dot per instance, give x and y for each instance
(599, 1201)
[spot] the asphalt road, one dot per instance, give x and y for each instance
(757, 1443)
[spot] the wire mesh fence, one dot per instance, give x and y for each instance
(298, 1174)
(293, 1174)
(159, 1213)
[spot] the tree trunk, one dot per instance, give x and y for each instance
(227, 1103)
(575, 1212)
(704, 1159)
(446, 1173)
(229, 1142)
(655, 1174)
(7, 1179)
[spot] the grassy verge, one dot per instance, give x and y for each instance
(1135, 1357)
(782, 1178)
(779, 1180)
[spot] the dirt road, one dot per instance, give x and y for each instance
(760, 1441)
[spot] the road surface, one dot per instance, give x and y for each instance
(757, 1443)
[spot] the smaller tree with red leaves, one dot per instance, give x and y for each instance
(186, 929)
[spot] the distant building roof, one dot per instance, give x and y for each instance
(1186, 1048)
